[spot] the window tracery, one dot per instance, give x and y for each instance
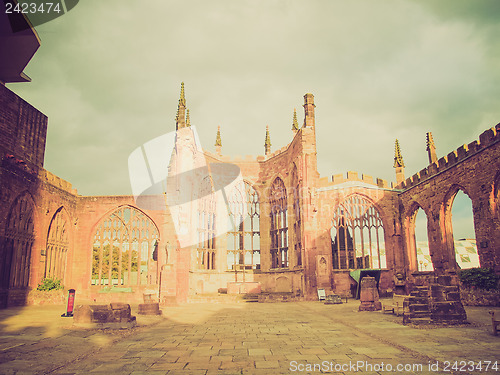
(279, 225)
(207, 218)
(297, 225)
(57, 247)
(19, 239)
(243, 241)
(124, 247)
(357, 235)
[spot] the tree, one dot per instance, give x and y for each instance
(115, 262)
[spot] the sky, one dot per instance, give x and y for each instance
(108, 76)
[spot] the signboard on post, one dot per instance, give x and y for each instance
(71, 304)
(321, 294)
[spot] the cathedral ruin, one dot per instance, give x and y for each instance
(292, 230)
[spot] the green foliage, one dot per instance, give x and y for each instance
(117, 259)
(482, 278)
(50, 284)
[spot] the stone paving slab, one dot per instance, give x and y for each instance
(242, 338)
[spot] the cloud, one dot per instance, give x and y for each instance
(108, 76)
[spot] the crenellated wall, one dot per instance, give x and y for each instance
(473, 169)
(487, 139)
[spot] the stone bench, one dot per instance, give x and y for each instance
(494, 323)
(396, 305)
(114, 315)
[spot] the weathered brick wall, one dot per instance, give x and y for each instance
(22, 146)
(23, 129)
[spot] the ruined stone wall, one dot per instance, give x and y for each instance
(472, 168)
(22, 147)
(330, 195)
(55, 195)
(91, 210)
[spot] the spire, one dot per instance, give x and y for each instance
(188, 120)
(180, 119)
(399, 164)
(218, 142)
(267, 143)
(398, 158)
(431, 148)
(295, 124)
(182, 99)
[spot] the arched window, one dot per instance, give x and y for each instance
(19, 238)
(279, 225)
(421, 241)
(206, 225)
(357, 235)
(57, 247)
(459, 228)
(124, 245)
(243, 241)
(297, 217)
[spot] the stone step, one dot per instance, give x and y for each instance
(419, 307)
(419, 300)
(420, 293)
(419, 314)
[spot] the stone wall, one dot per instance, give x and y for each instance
(473, 169)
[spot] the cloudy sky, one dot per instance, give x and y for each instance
(108, 75)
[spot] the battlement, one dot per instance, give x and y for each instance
(486, 139)
(56, 181)
(353, 177)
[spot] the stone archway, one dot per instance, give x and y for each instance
(124, 244)
(457, 193)
(418, 252)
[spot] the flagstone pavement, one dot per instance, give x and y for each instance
(247, 338)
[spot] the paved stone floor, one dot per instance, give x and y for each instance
(246, 338)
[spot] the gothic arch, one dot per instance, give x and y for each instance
(296, 216)
(124, 243)
(207, 225)
(446, 219)
(411, 242)
(357, 234)
(243, 240)
(279, 224)
(18, 242)
(57, 245)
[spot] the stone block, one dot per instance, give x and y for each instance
(369, 295)
(444, 280)
(149, 309)
(115, 315)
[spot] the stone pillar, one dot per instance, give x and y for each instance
(369, 295)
